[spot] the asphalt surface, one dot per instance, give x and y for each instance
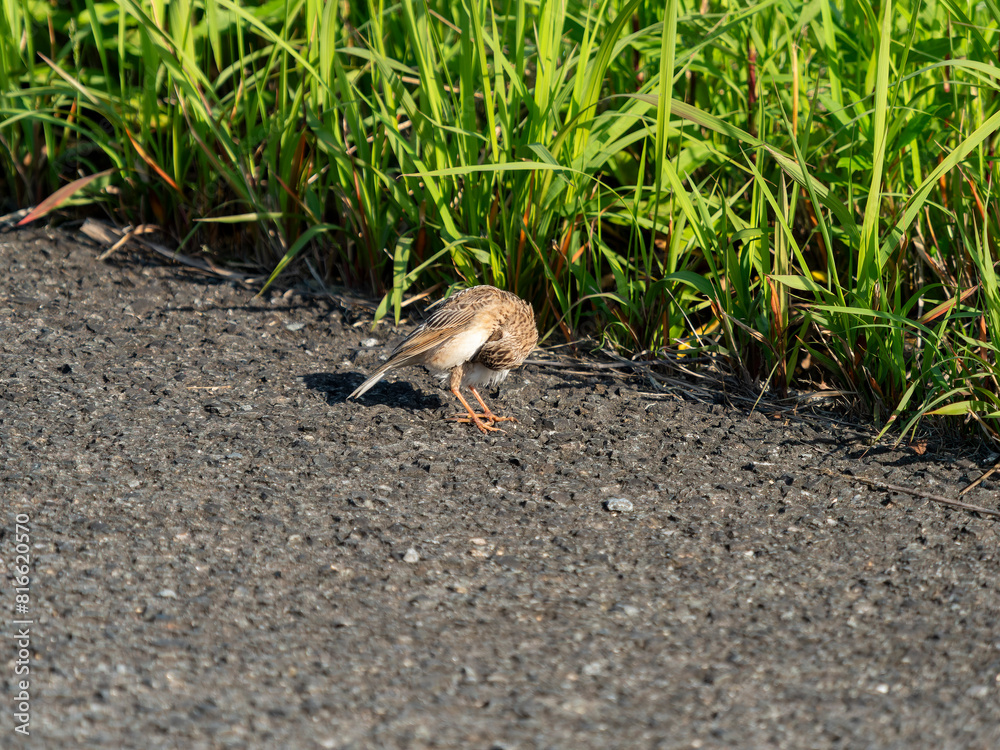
(224, 552)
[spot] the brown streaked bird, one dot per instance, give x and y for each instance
(475, 339)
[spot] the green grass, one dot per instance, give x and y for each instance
(802, 189)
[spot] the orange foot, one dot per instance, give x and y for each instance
(494, 418)
(487, 414)
(477, 420)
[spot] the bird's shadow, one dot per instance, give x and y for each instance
(338, 386)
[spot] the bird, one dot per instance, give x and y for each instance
(474, 339)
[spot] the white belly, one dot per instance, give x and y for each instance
(475, 375)
(457, 350)
(481, 376)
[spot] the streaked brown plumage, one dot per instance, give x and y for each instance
(474, 339)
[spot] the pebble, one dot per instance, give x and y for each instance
(411, 556)
(626, 609)
(618, 505)
(370, 342)
(297, 326)
(167, 594)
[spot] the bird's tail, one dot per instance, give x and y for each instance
(362, 389)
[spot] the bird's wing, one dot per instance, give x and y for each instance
(460, 309)
(441, 327)
(458, 314)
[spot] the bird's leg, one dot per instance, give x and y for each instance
(472, 416)
(487, 414)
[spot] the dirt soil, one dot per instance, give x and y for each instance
(227, 553)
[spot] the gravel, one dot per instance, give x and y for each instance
(217, 534)
(619, 505)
